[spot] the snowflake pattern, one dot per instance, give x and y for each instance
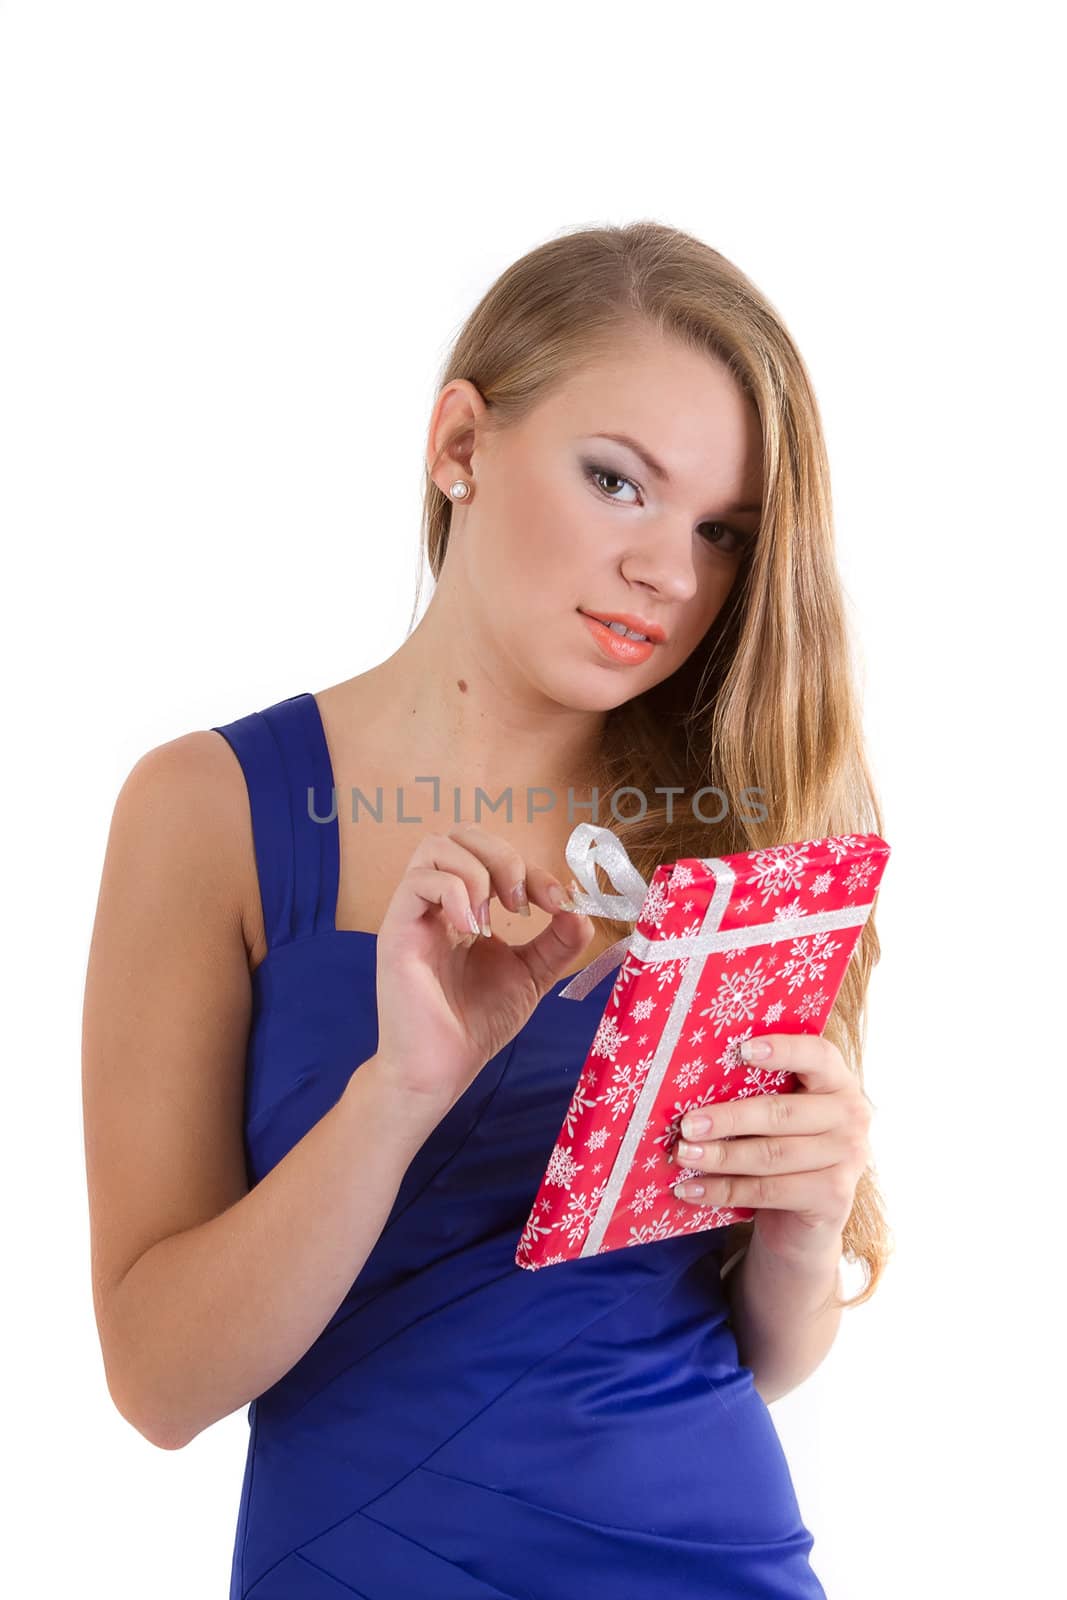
(656, 904)
(778, 869)
(738, 996)
(859, 875)
(789, 913)
(666, 971)
(625, 1086)
(757, 1082)
(644, 1198)
(582, 1100)
(731, 1058)
(811, 1005)
(842, 845)
(562, 1168)
(581, 1212)
(625, 979)
(660, 1229)
(690, 1072)
(808, 959)
(608, 1039)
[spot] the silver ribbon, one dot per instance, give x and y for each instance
(587, 844)
(587, 848)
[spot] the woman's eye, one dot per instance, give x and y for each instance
(740, 541)
(594, 472)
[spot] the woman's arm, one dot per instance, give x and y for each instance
(209, 1318)
(206, 1293)
(781, 1315)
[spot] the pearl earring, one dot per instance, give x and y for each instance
(459, 490)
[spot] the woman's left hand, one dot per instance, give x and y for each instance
(796, 1157)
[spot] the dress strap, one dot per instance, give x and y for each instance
(286, 764)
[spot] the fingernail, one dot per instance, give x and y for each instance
(483, 918)
(693, 1127)
(519, 899)
(561, 901)
(471, 923)
(754, 1049)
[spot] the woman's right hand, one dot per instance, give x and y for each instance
(448, 998)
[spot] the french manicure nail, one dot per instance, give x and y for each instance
(519, 898)
(483, 918)
(561, 901)
(755, 1049)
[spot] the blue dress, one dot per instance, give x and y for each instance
(462, 1428)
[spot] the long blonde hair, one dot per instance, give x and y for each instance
(768, 699)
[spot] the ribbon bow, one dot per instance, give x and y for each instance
(587, 848)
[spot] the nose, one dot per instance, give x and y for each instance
(662, 561)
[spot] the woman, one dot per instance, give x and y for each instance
(319, 1100)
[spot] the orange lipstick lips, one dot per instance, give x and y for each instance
(615, 646)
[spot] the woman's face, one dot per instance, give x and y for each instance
(565, 523)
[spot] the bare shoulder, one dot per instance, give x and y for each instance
(184, 809)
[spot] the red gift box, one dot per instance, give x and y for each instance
(723, 949)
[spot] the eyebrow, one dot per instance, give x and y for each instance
(651, 463)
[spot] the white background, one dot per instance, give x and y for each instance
(237, 241)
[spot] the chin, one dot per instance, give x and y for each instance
(580, 690)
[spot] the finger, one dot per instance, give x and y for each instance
(765, 1154)
(785, 1113)
(818, 1063)
(426, 888)
(441, 853)
(544, 888)
(508, 868)
(793, 1191)
(551, 953)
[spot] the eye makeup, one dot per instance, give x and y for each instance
(592, 470)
